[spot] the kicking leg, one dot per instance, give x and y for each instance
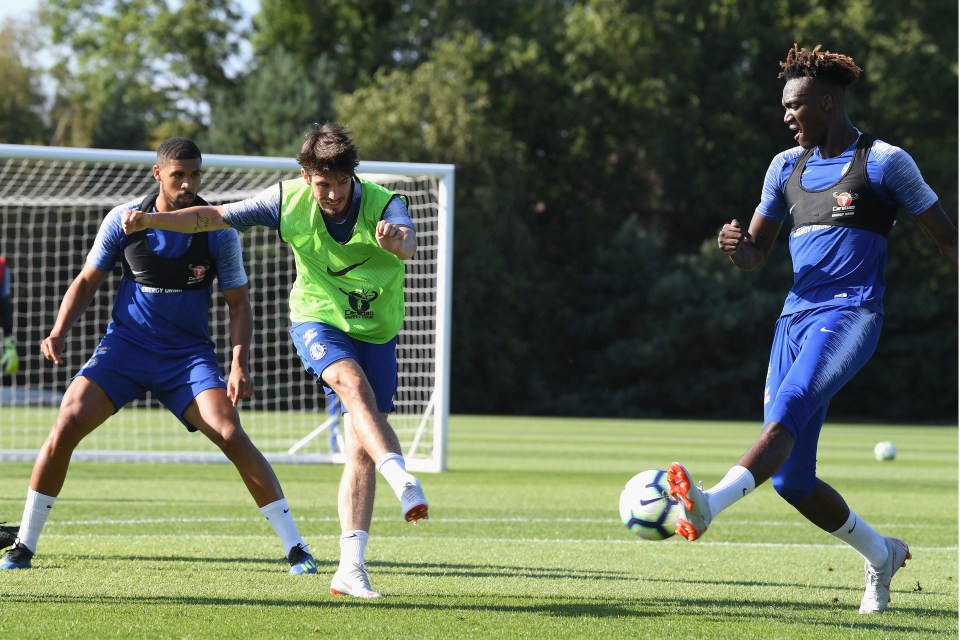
(375, 435)
(757, 465)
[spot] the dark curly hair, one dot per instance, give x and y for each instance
(328, 148)
(820, 65)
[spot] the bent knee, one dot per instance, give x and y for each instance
(794, 489)
(345, 378)
(228, 436)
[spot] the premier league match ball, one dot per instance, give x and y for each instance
(646, 507)
(885, 451)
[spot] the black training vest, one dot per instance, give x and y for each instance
(848, 203)
(195, 269)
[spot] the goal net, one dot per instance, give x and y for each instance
(52, 200)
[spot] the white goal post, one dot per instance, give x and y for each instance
(52, 200)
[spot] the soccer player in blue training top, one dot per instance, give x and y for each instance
(9, 360)
(159, 339)
(842, 188)
(350, 238)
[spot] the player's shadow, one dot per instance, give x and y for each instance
(497, 571)
(600, 603)
(592, 606)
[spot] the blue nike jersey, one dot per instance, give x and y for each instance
(835, 265)
(165, 319)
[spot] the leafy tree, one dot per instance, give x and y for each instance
(599, 145)
(269, 109)
(22, 118)
(648, 125)
(137, 60)
(439, 113)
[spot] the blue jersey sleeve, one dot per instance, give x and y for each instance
(901, 178)
(397, 213)
(110, 239)
(261, 210)
(773, 201)
(226, 250)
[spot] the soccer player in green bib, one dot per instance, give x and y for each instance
(350, 238)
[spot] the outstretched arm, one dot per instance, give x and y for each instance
(189, 220)
(748, 249)
(240, 383)
(74, 303)
(939, 227)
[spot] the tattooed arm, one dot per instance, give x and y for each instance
(189, 220)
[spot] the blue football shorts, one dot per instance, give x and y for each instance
(319, 345)
(814, 353)
(124, 371)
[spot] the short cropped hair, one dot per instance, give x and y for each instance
(177, 149)
(329, 148)
(820, 65)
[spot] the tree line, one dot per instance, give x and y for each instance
(599, 145)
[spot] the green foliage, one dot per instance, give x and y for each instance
(269, 110)
(139, 63)
(22, 118)
(659, 329)
(599, 145)
(437, 113)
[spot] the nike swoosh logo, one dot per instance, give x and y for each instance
(825, 330)
(850, 530)
(344, 271)
(791, 208)
(138, 273)
(286, 510)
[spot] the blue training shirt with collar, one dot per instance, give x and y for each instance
(167, 320)
(894, 177)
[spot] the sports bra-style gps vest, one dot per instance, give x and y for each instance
(850, 202)
(195, 269)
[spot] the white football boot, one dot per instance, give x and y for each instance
(353, 582)
(413, 504)
(877, 595)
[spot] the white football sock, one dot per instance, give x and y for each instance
(735, 485)
(353, 545)
(278, 515)
(35, 514)
(394, 470)
(862, 537)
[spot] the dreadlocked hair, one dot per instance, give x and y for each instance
(820, 65)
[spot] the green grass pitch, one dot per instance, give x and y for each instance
(524, 541)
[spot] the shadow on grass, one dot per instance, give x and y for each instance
(697, 610)
(600, 586)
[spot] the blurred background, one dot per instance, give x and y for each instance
(599, 146)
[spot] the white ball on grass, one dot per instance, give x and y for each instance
(885, 451)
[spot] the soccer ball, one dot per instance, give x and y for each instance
(646, 507)
(885, 451)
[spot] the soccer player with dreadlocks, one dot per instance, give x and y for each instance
(843, 188)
